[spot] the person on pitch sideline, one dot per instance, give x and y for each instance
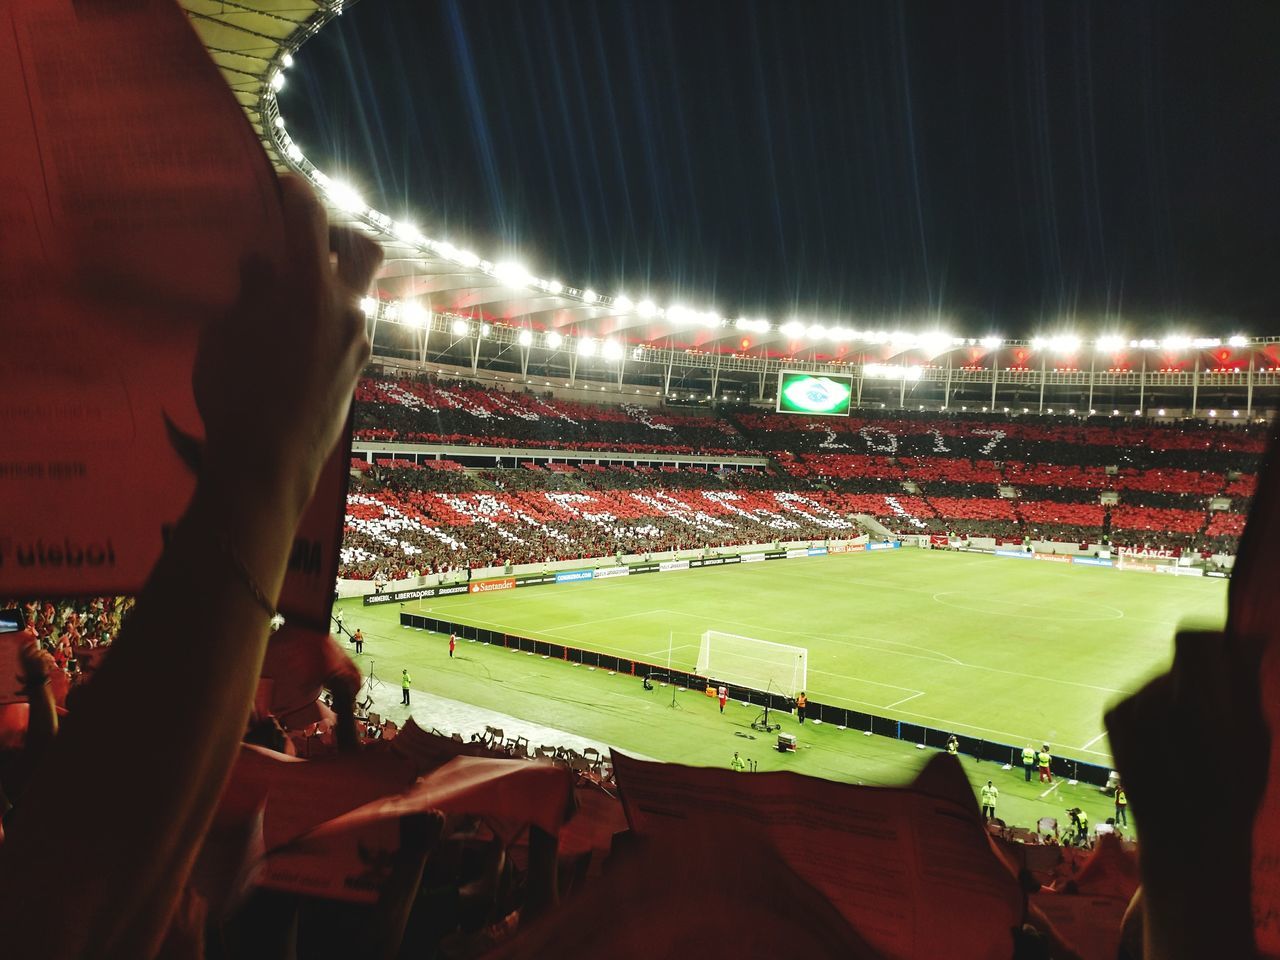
(737, 764)
(1122, 805)
(358, 639)
(405, 680)
(1028, 760)
(990, 793)
(722, 694)
(953, 745)
(1043, 760)
(453, 642)
(801, 702)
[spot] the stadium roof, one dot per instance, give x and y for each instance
(431, 291)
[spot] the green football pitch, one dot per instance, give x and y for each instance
(1006, 650)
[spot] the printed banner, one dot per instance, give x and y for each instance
(1143, 567)
(604, 573)
(1052, 557)
(1014, 554)
(571, 576)
(752, 557)
(1181, 571)
(138, 174)
(817, 551)
(1162, 552)
(417, 593)
(535, 581)
(1092, 561)
(666, 566)
(488, 586)
(891, 545)
(795, 553)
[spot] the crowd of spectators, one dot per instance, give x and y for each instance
(406, 519)
(428, 409)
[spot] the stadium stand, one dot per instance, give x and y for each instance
(429, 410)
(929, 473)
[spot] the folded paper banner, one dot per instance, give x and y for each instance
(131, 189)
(899, 865)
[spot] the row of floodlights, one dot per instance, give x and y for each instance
(516, 276)
(413, 314)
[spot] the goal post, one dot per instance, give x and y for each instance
(754, 664)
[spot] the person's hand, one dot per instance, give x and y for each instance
(274, 380)
(1207, 707)
(37, 665)
(344, 685)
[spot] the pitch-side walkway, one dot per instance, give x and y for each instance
(452, 716)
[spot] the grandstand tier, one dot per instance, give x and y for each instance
(1184, 486)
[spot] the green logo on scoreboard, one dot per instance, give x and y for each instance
(808, 393)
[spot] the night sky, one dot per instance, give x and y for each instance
(1007, 167)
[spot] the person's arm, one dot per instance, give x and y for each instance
(42, 713)
(1196, 883)
(273, 383)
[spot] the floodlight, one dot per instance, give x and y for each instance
(1109, 344)
(554, 340)
(368, 305)
(413, 314)
(345, 197)
(590, 296)
(586, 347)
(622, 303)
(408, 233)
(525, 338)
(1237, 341)
(461, 328)
(511, 274)
(646, 308)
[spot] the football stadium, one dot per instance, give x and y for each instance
(592, 622)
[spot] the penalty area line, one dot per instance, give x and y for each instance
(1093, 741)
(904, 700)
(1056, 785)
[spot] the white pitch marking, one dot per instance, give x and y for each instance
(1093, 741)
(904, 700)
(1056, 785)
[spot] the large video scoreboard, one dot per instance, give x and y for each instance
(812, 393)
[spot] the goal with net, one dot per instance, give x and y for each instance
(755, 664)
